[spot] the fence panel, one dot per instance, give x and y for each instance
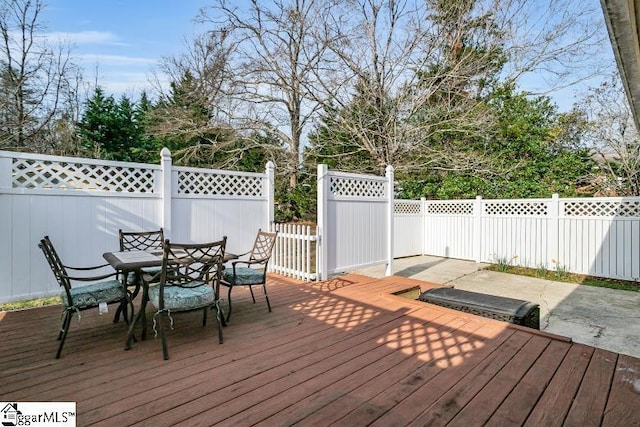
(408, 222)
(208, 204)
(516, 231)
(600, 236)
(449, 229)
(593, 236)
(80, 203)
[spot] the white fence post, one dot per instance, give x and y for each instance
(166, 190)
(390, 222)
(477, 229)
(423, 212)
(554, 228)
(269, 191)
(321, 245)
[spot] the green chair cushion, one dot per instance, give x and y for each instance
(244, 276)
(182, 299)
(93, 294)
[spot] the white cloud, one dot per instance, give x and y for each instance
(115, 60)
(86, 37)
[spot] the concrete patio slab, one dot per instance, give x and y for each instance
(600, 317)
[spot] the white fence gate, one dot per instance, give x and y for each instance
(295, 253)
(81, 204)
(355, 221)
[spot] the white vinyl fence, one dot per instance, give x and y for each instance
(594, 236)
(81, 204)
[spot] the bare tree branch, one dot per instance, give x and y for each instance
(37, 77)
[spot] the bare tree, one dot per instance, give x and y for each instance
(37, 78)
(192, 112)
(407, 78)
(420, 70)
(275, 59)
(418, 73)
(614, 138)
(194, 101)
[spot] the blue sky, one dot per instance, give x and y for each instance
(122, 41)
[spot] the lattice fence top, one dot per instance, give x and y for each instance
(357, 187)
(454, 208)
(516, 208)
(606, 208)
(407, 208)
(218, 184)
(61, 175)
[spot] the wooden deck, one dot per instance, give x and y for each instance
(341, 352)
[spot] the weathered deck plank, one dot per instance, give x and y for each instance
(588, 406)
(625, 388)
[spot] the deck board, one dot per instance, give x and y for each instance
(515, 409)
(588, 406)
(625, 388)
(342, 352)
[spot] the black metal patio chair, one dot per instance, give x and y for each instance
(253, 271)
(79, 298)
(190, 280)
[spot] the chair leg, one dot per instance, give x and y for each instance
(62, 336)
(266, 296)
(131, 316)
(123, 306)
(163, 338)
(121, 309)
(130, 335)
(220, 316)
(219, 320)
(204, 316)
(229, 298)
(116, 316)
(252, 297)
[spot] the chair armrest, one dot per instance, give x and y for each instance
(89, 279)
(237, 256)
(248, 263)
(86, 268)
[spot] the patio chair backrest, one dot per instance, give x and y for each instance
(141, 240)
(57, 267)
(263, 246)
(185, 265)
